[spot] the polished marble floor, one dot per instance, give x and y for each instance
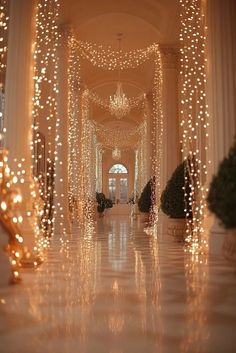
(121, 290)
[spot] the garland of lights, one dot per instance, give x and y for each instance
(135, 102)
(110, 59)
(194, 113)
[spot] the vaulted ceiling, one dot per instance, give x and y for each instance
(142, 23)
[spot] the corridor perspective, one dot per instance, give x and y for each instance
(117, 176)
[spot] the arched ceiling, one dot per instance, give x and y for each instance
(162, 15)
(142, 23)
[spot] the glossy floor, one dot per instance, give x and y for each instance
(121, 291)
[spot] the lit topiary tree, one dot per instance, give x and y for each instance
(222, 194)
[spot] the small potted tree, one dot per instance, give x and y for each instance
(222, 200)
(173, 202)
(100, 198)
(102, 203)
(145, 200)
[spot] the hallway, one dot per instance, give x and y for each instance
(120, 290)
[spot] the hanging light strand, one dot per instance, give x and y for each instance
(88, 159)
(45, 107)
(157, 137)
(194, 115)
(4, 24)
(74, 112)
(134, 102)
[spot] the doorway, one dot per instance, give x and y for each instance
(118, 184)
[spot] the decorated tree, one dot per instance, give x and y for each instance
(173, 200)
(145, 200)
(222, 194)
(103, 202)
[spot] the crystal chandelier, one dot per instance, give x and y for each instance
(116, 153)
(119, 103)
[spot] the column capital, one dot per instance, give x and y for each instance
(170, 56)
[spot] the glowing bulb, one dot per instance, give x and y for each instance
(3, 205)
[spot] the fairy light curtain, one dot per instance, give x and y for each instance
(88, 163)
(142, 163)
(194, 112)
(45, 111)
(74, 113)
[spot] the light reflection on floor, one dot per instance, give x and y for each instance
(120, 290)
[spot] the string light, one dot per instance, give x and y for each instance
(194, 114)
(133, 102)
(141, 162)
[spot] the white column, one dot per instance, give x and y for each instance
(221, 35)
(171, 141)
(221, 18)
(19, 91)
(61, 166)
